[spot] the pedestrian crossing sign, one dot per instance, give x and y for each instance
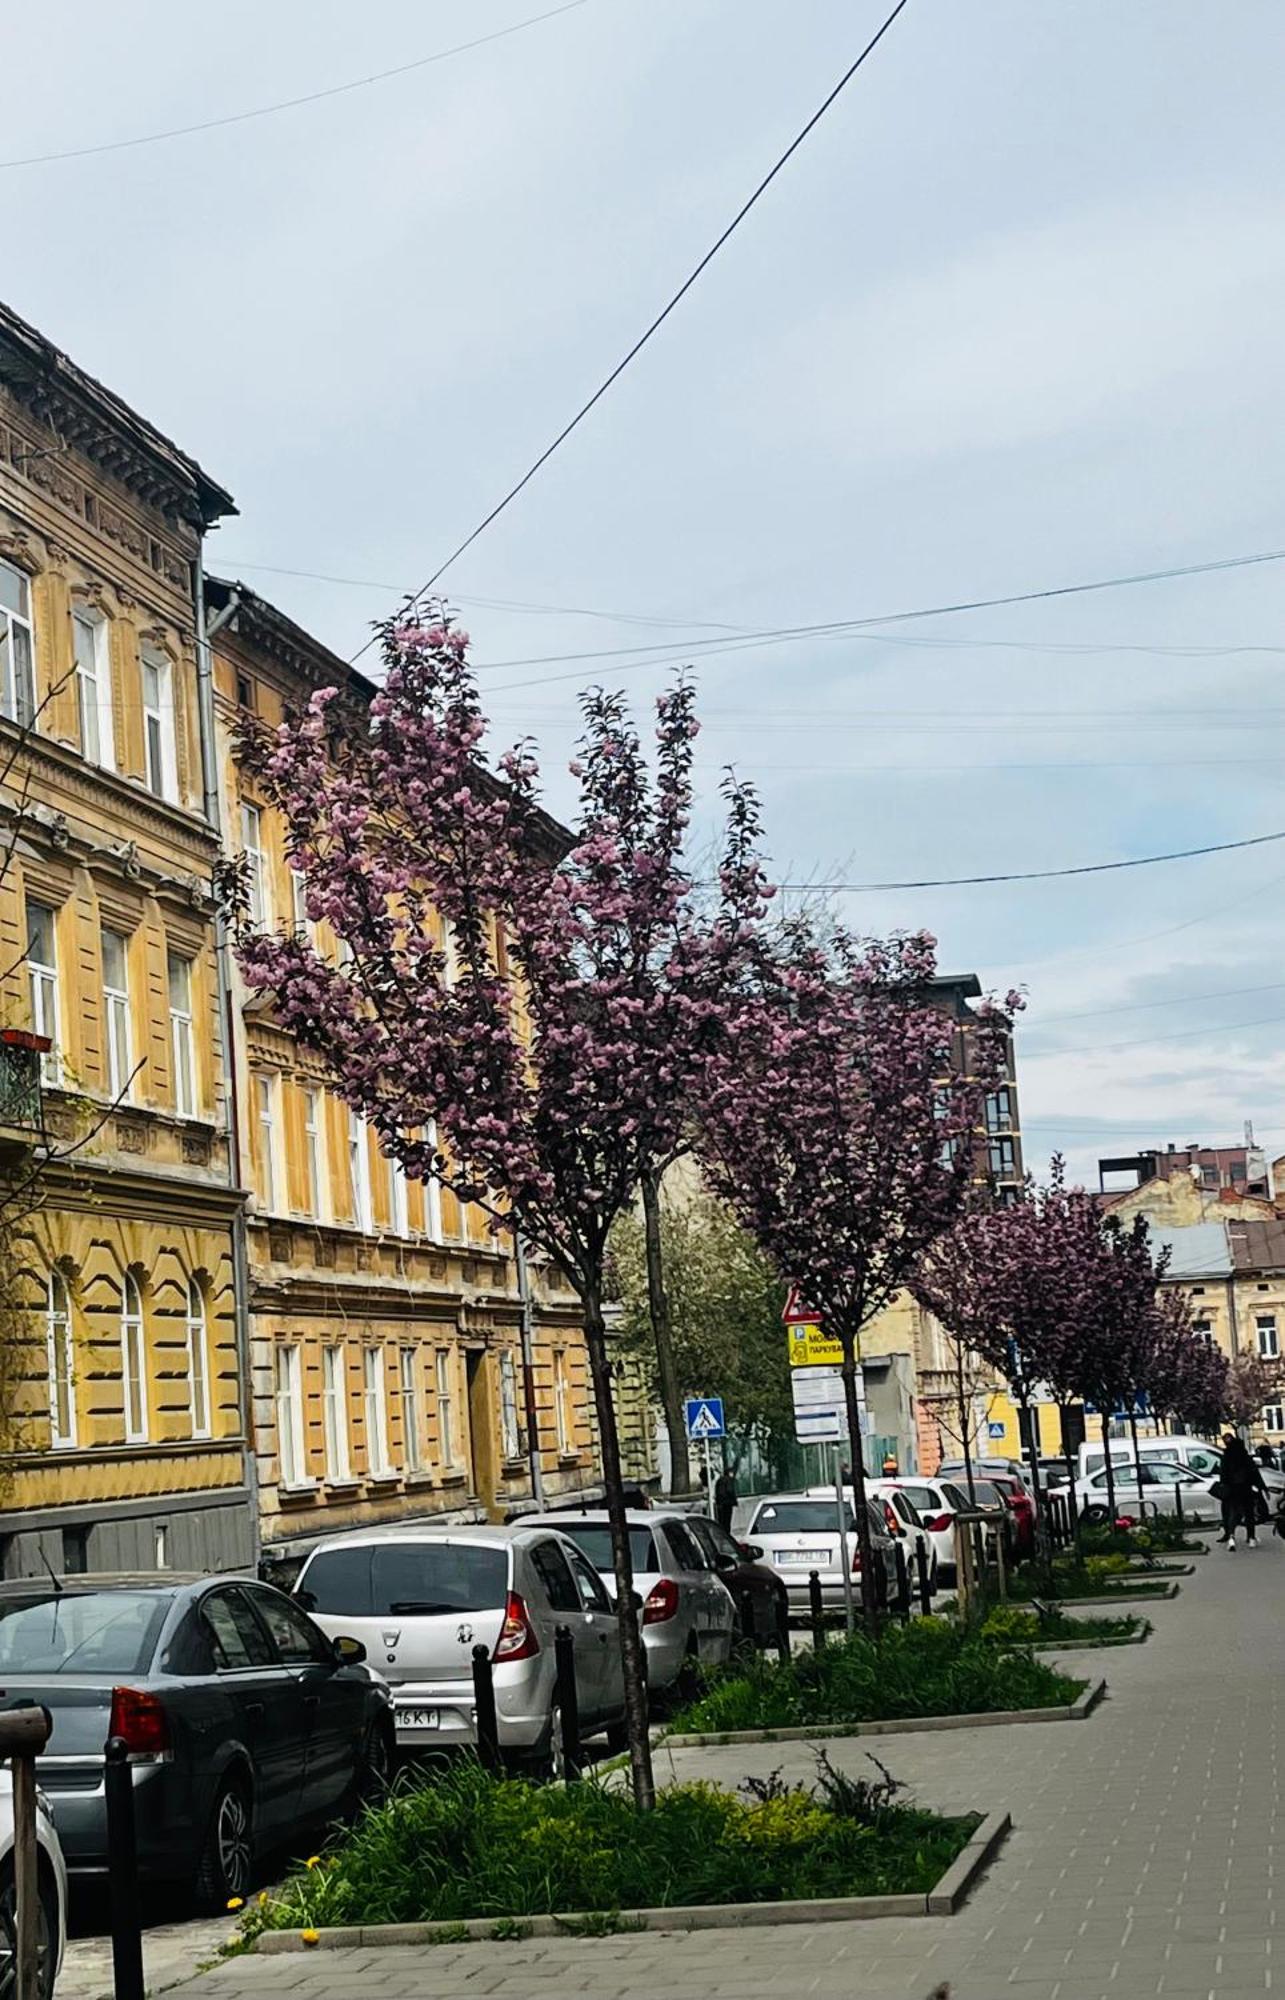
(704, 1416)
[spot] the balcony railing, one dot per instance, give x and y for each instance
(21, 1104)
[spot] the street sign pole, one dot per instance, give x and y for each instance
(841, 1505)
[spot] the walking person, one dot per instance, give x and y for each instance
(1241, 1480)
(724, 1500)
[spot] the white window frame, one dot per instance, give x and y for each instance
(334, 1367)
(182, 1037)
(408, 1381)
(258, 882)
(292, 1445)
(446, 1442)
(43, 979)
(398, 1197)
(359, 1173)
(432, 1191)
(510, 1407)
(18, 632)
(378, 1462)
(61, 1351)
(117, 1026)
(1274, 1417)
(160, 760)
(562, 1403)
(133, 1360)
(94, 687)
(198, 1360)
(314, 1148)
(299, 906)
(265, 1101)
(1268, 1339)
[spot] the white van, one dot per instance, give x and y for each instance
(1197, 1454)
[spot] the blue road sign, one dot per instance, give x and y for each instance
(704, 1416)
(995, 1430)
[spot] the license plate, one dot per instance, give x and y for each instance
(418, 1718)
(803, 1558)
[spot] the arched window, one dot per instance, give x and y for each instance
(62, 1378)
(198, 1360)
(133, 1361)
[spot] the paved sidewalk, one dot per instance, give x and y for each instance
(1143, 1859)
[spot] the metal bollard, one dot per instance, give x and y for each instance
(922, 1577)
(564, 1652)
(122, 1873)
(488, 1722)
(1177, 1501)
(903, 1582)
(818, 1610)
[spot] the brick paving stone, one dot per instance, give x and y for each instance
(1144, 1862)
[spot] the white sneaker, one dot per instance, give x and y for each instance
(1231, 1548)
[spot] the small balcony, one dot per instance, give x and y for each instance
(22, 1114)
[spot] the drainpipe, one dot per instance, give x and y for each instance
(526, 1322)
(205, 633)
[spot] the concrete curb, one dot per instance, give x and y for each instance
(942, 1900)
(1088, 1645)
(908, 1725)
(1131, 1594)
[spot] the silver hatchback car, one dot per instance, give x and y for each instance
(420, 1599)
(799, 1532)
(688, 1614)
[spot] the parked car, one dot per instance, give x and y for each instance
(688, 1614)
(932, 1516)
(1055, 1474)
(420, 1599)
(761, 1599)
(51, 1918)
(1160, 1484)
(243, 1720)
(983, 1468)
(1197, 1454)
(799, 1532)
(1022, 1507)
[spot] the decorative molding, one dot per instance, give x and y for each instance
(18, 548)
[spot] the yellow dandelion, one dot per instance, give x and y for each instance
(263, 1897)
(310, 1937)
(313, 1861)
(236, 1902)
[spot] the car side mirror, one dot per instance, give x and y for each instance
(751, 1551)
(635, 1598)
(349, 1652)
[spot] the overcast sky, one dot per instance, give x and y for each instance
(1012, 318)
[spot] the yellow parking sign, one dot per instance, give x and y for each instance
(812, 1347)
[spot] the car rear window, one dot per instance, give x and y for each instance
(799, 1517)
(72, 1632)
(923, 1498)
(594, 1537)
(405, 1579)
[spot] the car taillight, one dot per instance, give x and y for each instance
(140, 1720)
(891, 1516)
(517, 1640)
(856, 1559)
(661, 1602)
(936, 1523)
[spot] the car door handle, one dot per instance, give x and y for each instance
(255, 1709)
(312, 1701)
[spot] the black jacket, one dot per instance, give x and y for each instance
(1238, 1472)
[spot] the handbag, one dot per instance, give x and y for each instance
(1218, 1491)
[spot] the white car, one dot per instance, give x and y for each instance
(1161, 1484)
(936, 1502)
(52, 1917)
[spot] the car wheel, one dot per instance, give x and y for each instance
(223, 1870)
(46, 1935)
(781, 1639)
(687, 1684)
(742, 1647)
(618, 1736)
(374, 1772)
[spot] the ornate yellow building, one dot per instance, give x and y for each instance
(124, 1437)
(389, 1377)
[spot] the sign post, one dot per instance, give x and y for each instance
(705, 1421)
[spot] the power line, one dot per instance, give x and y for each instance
(1220, 909)
(1145, 1006)
(665, 311)
(1038, 874)
(841, 628)
(1144, 1041)
(293, 103)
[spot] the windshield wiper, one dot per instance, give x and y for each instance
(406, 1607)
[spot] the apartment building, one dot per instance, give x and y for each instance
(386, 1319)
(123, 1440)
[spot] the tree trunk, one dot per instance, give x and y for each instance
(1069, 1463)
(1110, 1468)
(965, 1422)
(869, 1585)
(680, 1474)
(1137, 1460)
(1043, 1546)
(644, 1783)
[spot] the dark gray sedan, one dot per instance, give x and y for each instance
(245, 1724)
